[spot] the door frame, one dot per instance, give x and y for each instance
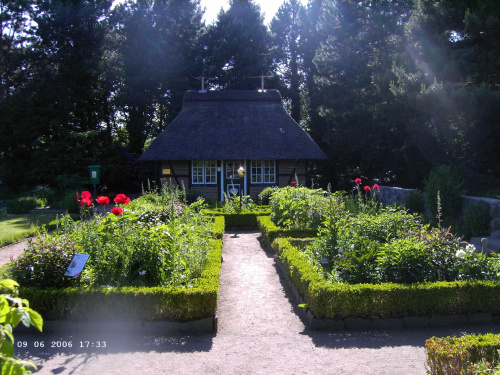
(223, 177)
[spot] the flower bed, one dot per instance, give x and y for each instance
(155, 259)
(341, 305)
(170, 303)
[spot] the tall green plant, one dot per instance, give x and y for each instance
(298, 207)
(445, 180)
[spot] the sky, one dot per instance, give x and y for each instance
(267, 7)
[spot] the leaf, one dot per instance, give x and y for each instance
(36, 319)
(4, 308)
(8, 284)
(7, 349)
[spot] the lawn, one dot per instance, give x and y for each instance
(14, 228)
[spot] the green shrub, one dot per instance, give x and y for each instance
(445, 180)
(271, 231)
(460, 355)
(219, 227)
(265, 195)
(415, 202)
(296, 264)
(348, 245)
(69, 202)
(405, 261)
(298, 207)
(44, 193)
(234, 219)
(476, 220)
(22, 205)
(44, 261)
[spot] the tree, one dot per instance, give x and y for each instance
(357, 124)
(158, 42)
(286, 39)
(237, 47)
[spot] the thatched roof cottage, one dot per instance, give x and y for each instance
(217, 132)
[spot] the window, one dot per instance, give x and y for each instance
(232, 169)
(204, 171)
(263, 171)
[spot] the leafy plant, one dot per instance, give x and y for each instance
(265, 195)
(43, 192)
(476, 220)
(22, 205)
(446, 181)
(298, 207)
(155, 240)
(14, 310)
(44, 261)
(415, 202)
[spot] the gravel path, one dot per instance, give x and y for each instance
(259, 332)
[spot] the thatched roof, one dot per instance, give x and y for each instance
(232, 125)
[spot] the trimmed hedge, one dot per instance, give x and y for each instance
(458, 355)
(128, 303)
(271, 231)
(244, 219)
(338, 301)
(219, 227)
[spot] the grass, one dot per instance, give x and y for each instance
(14, 228)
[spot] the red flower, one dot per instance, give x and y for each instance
(367, 188)
(293, 182)
(77, 197)
(85, 202)
(122, 199)
(102, 200)
(86, 195)
(357, 181)
(117, 211)
(376, 187)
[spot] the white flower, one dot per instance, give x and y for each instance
(142, 273)
(460, 254)
(470, 248)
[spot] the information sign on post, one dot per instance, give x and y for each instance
(95, 171)
(76, 265)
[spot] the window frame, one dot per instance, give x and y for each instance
(208, 173)
(258, 169)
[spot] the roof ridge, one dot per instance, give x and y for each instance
(233, 95)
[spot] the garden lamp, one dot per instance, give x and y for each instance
(241, 174)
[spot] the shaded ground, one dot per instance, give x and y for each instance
(259, 333)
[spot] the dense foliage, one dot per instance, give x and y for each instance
(470, 354)
(394, 246)
(156, 240)
(361, 241)
(389, 89)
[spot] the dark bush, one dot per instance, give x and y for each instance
(415, 202)
(476, 220)
(445, 180)
(265, 195)
(22, 205)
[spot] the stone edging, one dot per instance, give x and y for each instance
(314, 323)
(205, 325)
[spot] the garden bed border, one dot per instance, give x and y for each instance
(316, 323)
